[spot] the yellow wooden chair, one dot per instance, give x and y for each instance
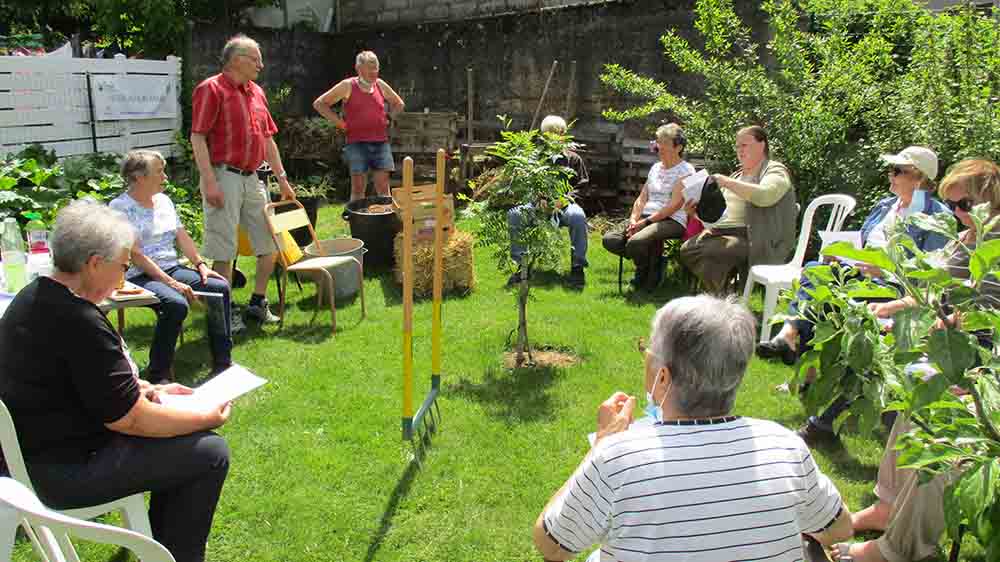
(322, 266)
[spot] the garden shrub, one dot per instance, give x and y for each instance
(849, 80)
(35, 181)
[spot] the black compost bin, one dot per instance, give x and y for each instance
(377, 228)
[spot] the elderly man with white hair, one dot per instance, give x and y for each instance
(365, 122)
(232, 133)
(697, 483)
(571, 216)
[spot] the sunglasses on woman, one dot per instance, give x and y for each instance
(898, 170)
(964, 203)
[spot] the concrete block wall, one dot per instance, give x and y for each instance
(510, 56)
(357, 14)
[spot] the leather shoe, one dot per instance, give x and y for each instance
(814, 435)
(778, 347)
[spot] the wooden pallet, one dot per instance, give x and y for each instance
(416, 133)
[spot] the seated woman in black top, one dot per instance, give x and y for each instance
(84, 418)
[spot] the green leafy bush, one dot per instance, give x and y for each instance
(854, 357)
(35, 181)
(846, 80)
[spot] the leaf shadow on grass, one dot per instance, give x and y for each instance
(420, 446)
(517, 395)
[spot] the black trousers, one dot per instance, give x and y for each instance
(184, 475)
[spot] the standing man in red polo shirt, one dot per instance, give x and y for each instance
(231, 134)
(365, 121)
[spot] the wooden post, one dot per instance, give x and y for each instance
(468, 111)
(545, 90)
(438, 270)
(407, 269)
(568, 110)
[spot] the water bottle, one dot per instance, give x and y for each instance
(14, 259)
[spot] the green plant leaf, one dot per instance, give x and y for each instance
(872, 256)
(984, 259)
(953, 352)
(940, 223)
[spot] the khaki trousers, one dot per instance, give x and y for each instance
(714, 254)
(916, 519)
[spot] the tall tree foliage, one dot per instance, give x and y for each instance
(848, 80)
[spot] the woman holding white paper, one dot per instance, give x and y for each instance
(911, 174)
(155, 267)
(658, 213)
(90, 430)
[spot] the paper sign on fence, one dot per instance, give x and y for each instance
(693, 185)
(224, 387)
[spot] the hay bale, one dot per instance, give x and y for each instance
(458, 271)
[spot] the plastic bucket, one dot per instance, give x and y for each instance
(347, 281)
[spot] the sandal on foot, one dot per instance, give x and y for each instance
(843, 552)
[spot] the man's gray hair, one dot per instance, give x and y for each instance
(139, 163)
(365, 57)
(238, 44)
(553, 124)
(706, 343)
(85, 228)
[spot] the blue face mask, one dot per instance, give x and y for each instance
(652, 409)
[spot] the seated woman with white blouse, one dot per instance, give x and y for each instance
(658, 213)
(155, 266)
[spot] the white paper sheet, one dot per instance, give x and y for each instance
(224, 387)
(641, 422)
(5, 300)
(693, 185)
(828, 237)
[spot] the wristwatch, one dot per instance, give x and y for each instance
(283, 174)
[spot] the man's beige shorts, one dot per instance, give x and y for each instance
(245, 198)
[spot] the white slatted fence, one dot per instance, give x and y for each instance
(44, 100)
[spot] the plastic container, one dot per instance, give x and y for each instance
(38, 236)
(39, 264)
(14, 259)
(377, 229)
(347, 280)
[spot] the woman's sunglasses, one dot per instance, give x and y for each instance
(964, 203)
(898, 170)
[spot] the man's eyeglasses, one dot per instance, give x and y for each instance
(965, 203)
(256, 60)
(898, 170)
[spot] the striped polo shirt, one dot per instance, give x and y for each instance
(744, 489)
(234, 119)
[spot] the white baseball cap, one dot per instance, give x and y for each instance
(920, 157)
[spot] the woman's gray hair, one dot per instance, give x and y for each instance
(85, 228)
(706, 343)
(674, 133)
(237, 44)
(139, 163)
(365, 57)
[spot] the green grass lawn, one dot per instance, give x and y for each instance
(319, 469)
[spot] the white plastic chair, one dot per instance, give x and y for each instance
(54, 529)
(132, 508)
(777, 277)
